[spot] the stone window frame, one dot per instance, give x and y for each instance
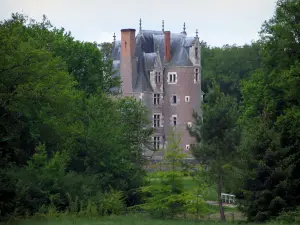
(157, 77)
(156, 98)
(187, 147)
(173, 76)
(187, 98)
(189, 124)
(172, 98)
(176, 120)
(156, 142)
(197, 75)
(160, 120)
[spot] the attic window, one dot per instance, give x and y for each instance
(196, 52)
(157, 78)
(196, 76)
(187, 147)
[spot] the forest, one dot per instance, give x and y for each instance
(72, 148)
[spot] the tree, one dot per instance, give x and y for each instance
(228, 65)
(166, 196)
(63, 138)
(106, 50)
(216, 136)
(270, 120)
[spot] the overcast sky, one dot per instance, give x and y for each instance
(219, 21)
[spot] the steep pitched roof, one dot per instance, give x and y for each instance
(147, 44)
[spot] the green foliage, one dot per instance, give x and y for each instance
(217, 136)
(65, 143)
(270, 120)
(167, 197)
(228, 65)
(290, 216)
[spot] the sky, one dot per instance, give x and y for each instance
(218, 22)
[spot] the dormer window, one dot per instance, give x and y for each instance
(196, 76)
(196, 52)
(157, 78)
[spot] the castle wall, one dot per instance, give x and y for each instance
(185, 87)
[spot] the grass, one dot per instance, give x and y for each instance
(116, 220)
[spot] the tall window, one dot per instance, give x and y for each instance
(156, 98)
(156, 142)
(174, 99)
(174, 120)
(196, 52)
(156, 120)
(157, 78)
(172, 78)
(197, 78)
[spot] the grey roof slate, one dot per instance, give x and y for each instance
(147, 44)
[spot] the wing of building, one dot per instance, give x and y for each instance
(163, 70)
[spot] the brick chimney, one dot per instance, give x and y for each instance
(167, 46)
(128, 70)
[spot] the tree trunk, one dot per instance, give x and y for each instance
(222, 214)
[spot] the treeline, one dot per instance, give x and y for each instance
(66, 141)
(249, 136)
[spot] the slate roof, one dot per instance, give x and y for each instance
(147, 44)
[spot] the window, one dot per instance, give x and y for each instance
(174, 120)
(172, 78)
(174, 99)
(197, 78)
(187, 147)
(156, 142)
(157, 78)
(156, 120)
(156, 98)
(187, 98)
(196, 52)
(189, 124)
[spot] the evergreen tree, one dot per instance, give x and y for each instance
(216, 137)
(271, 120)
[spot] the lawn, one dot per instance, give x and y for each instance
(115, 220)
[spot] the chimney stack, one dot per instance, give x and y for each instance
(167, 46)
(127, 61)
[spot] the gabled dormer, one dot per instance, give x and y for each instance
(195, 51)
(156, 76)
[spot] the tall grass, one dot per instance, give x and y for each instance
(117, 220)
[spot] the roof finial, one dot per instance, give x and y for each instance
(183, 32)
(114, 37)
(163, 26)
(196, 33)
(140, 25)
